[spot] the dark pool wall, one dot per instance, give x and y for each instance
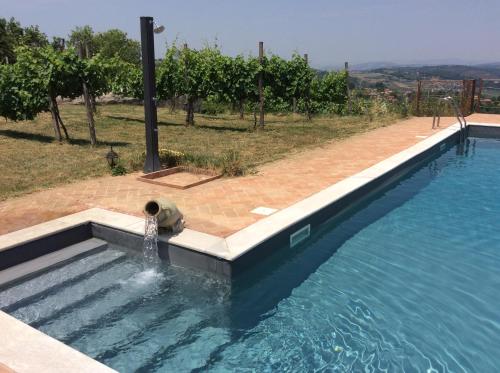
(44, 245)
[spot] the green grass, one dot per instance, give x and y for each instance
(31, 159)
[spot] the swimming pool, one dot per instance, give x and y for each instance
(406, 281)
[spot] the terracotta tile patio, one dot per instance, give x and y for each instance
(224, 206)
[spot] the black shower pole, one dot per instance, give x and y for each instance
(152, 162)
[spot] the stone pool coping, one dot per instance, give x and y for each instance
(25, 349)
(41, 349)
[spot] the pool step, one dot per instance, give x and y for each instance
(49, 282)
(197, 354)
(44, 262)
(126, 298)
(130, 356)
(68, 298)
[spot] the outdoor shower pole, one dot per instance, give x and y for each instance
(152, 162)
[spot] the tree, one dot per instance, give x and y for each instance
(300, 78)
(240, 81)
(124, 78)
(13, 35)
(41, 75)
(201, 72)
(33, 37)
(21, 98)
(331, 92)
(276, 84)
(114, 43)
(10, 34)
(168, 76)
(83, 36)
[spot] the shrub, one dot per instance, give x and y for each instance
(232, 164)
(118, 170)
(170, 158)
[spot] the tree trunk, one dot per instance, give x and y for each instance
(62, 124)
(93, 103)
(242, 109)
(90, 114)
(294, 105)
(190, 112)
(173, 102)
(255, 117)
(308, 106)
(55, 121)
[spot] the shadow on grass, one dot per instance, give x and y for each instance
(173, 124)
(125, 119)
(100, 143)
(26, 136)
(222, 128)
(49, 139)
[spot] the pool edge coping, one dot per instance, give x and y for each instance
(26, 349)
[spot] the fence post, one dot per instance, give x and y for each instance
(478, 106)
(261, 84)
(472, 95)
(463, 99)
(419, 93)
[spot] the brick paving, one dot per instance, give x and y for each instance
(222, 207)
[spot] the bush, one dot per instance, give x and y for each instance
(118, 170)
(231, 163)
(170, 158)
(213, 106)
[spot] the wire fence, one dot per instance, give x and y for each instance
(430, 94)
(471, 95)
(489, 97)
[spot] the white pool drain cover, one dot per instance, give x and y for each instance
(263, 211)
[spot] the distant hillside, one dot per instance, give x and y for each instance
(494, 65)
(403, 78)
(488, 71)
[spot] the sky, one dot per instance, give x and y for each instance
(330, 31)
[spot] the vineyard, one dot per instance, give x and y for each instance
(40, 75)
(208, 106)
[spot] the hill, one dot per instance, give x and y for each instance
(403, 78)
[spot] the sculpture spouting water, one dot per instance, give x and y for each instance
(160, 214)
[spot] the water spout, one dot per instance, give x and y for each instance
(150, 248)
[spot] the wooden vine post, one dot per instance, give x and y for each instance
(308, 93)
(261, 84)
(189, 98)
(83, 52)
(346, 67)
(88, 53)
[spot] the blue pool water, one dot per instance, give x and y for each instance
(408, 281)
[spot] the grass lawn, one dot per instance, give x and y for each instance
(31, 159)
